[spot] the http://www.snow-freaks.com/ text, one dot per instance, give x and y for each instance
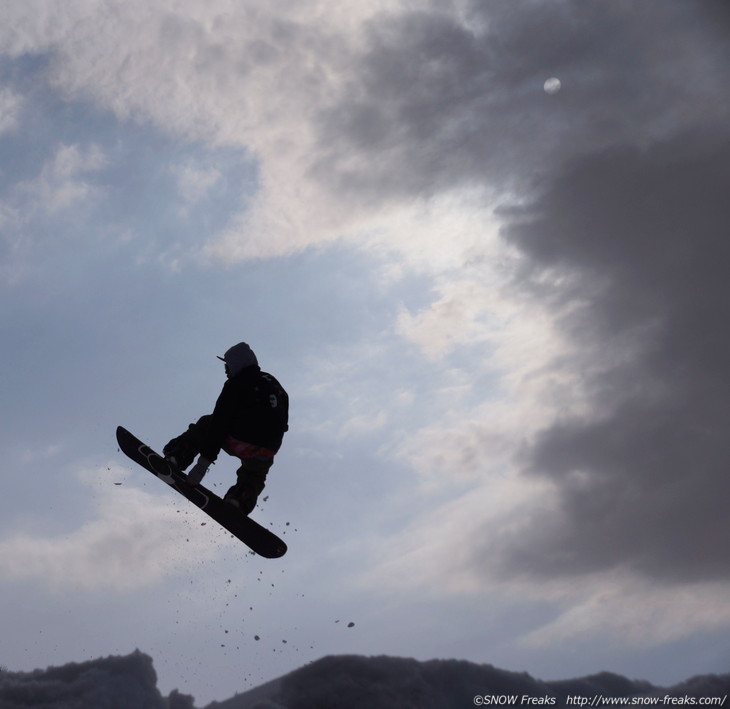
(597, 700)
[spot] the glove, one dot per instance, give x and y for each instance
(198, 471)
(180, 452)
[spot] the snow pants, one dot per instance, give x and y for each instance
(251, 474)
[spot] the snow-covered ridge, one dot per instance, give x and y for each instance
(352, 681)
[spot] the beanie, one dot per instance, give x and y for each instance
(239, 357)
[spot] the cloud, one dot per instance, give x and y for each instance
(454, 319)
(11, 106)
(436, 552)
(195, 181)
(440, 100)
(245, 75)
(593, 475)
(133, 542)
(61, 184)
(640, 238)
(35, 213)
(350, 113)
(631, 612)
(615, 251)
(597, 471)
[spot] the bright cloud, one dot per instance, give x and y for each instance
(134, 541)
(11, 106)
(61, 184)
(624, 609)
(194, 181)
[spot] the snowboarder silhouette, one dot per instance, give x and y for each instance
(248, 422)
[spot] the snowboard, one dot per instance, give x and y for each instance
(252, 534)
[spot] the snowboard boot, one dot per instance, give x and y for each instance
(251, 480)
(180, 452)
(243, 497)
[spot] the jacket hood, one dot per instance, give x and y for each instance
(239, 357)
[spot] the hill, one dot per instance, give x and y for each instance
(348, 682)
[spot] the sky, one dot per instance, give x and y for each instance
(482, 244)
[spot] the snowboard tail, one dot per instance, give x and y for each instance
(251, 533)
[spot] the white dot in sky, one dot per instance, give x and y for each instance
(552, 85)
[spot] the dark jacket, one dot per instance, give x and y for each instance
(252, 407)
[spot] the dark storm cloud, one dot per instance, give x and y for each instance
(625, 175)
(642, 237)
(439, 101)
